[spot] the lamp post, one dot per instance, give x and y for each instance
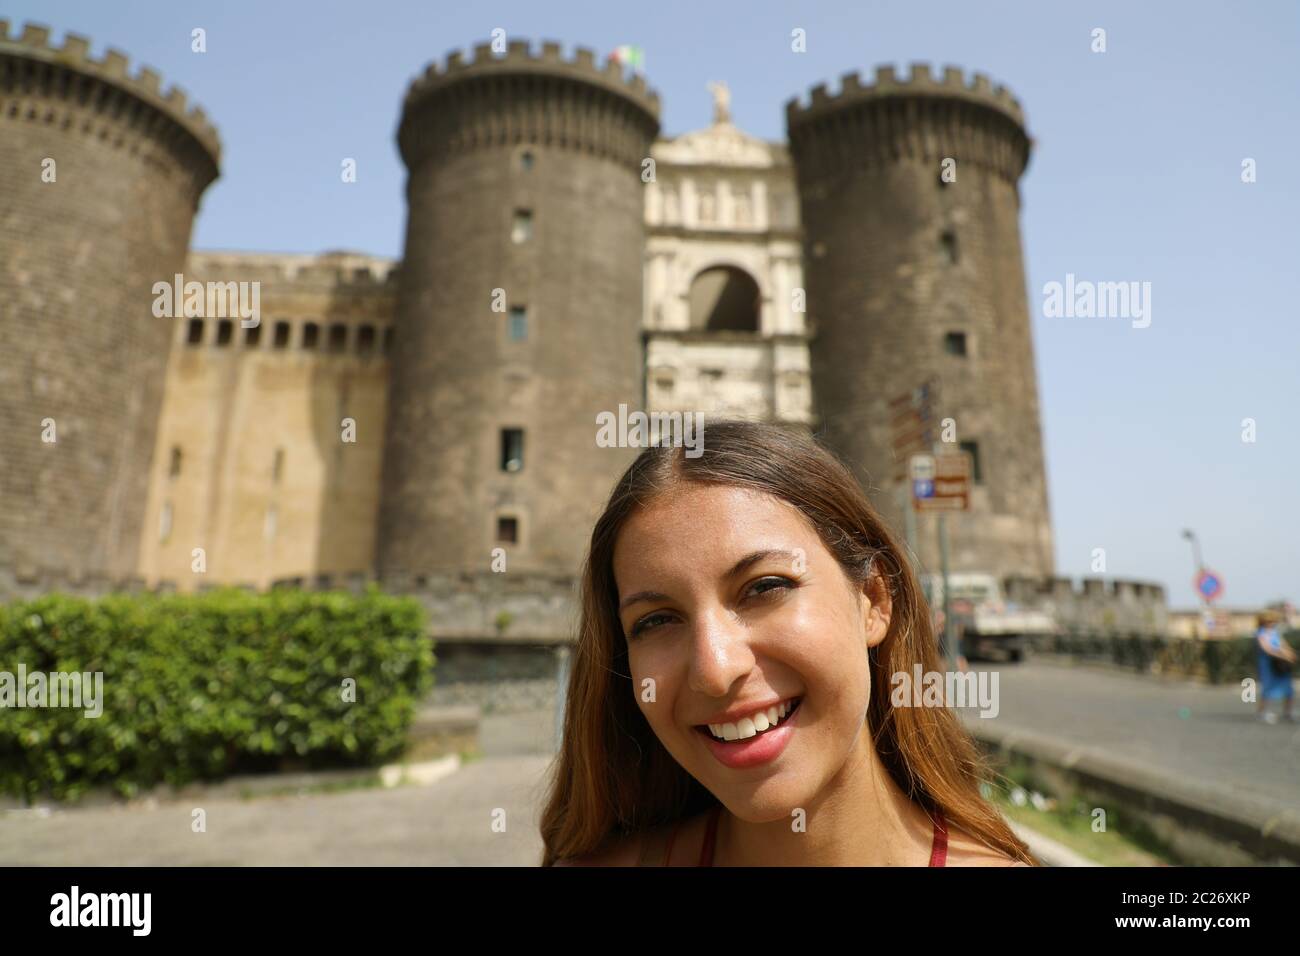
(1190, 535)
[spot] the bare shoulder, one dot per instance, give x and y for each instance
(964, 850)
(622, 852)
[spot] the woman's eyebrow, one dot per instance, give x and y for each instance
(743, 564)
(755, 557)
(642, 596)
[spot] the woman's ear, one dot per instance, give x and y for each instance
(878, 608)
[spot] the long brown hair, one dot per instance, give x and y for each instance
(612, 776)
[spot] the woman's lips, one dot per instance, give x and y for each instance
(756, 750)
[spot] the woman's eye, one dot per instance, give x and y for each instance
(770, 583)
(647, 622)
(773, 582)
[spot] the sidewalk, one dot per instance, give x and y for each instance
(449, 823)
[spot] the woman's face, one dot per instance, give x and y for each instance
(730, 602)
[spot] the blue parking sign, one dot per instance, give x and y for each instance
(1209, 584)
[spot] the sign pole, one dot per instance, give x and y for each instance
(947, 591)
(909, 522)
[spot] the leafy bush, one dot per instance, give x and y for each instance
(199, 686)
(1224, 660)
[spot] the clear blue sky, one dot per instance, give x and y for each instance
(1135, 176)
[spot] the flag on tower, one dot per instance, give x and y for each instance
(632, 56)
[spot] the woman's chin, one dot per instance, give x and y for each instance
(785, 811)
(774, 800)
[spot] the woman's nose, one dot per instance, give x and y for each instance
(720, 651)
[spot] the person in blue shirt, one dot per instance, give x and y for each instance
(1276, 659)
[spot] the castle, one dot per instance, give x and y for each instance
(409, 420)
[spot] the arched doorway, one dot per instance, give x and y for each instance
(725, 299)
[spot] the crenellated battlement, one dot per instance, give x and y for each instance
(521, 58)
(26, 582)
(921, 81)
(488, 607)
(350, 269)
(327, 306)
(145, 85)
(1095, 605)
(522, 97)
(921, 117)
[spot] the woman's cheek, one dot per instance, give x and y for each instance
(649, 684)
(817, 644)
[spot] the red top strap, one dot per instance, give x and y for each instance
(706, 853)
(939, 849)
(668, 853)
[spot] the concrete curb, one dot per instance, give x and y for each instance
(1047, 850)
(421, 774)
(1259, 826)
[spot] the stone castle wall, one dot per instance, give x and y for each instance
(251, 462)
(100, 177)
(1100, 606)
(897, 260)
(524, 177)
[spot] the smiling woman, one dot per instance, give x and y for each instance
(742, 614)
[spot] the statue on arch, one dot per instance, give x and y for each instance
(721, 102)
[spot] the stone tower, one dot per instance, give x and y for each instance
(519, 308)
(100, 177)
(912, 278)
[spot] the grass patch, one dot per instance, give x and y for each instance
(1069, 819)
(330, 786)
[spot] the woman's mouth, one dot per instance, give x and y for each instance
(759, 722)
(742, 744)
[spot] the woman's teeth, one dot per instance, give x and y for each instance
(755, 723)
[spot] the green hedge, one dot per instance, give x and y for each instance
(1219, 661)
(200, 686)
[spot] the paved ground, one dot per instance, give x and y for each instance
(447, 823)
(1203, 733)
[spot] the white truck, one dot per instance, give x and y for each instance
(990, 626)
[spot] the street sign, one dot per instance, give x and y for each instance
(921, 470)
(912, 423)
(945, 479)
(917, 397)
(1209, 585)
(1217, 623)
(921, 467)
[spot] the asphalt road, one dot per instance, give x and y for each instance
(1202, 733)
